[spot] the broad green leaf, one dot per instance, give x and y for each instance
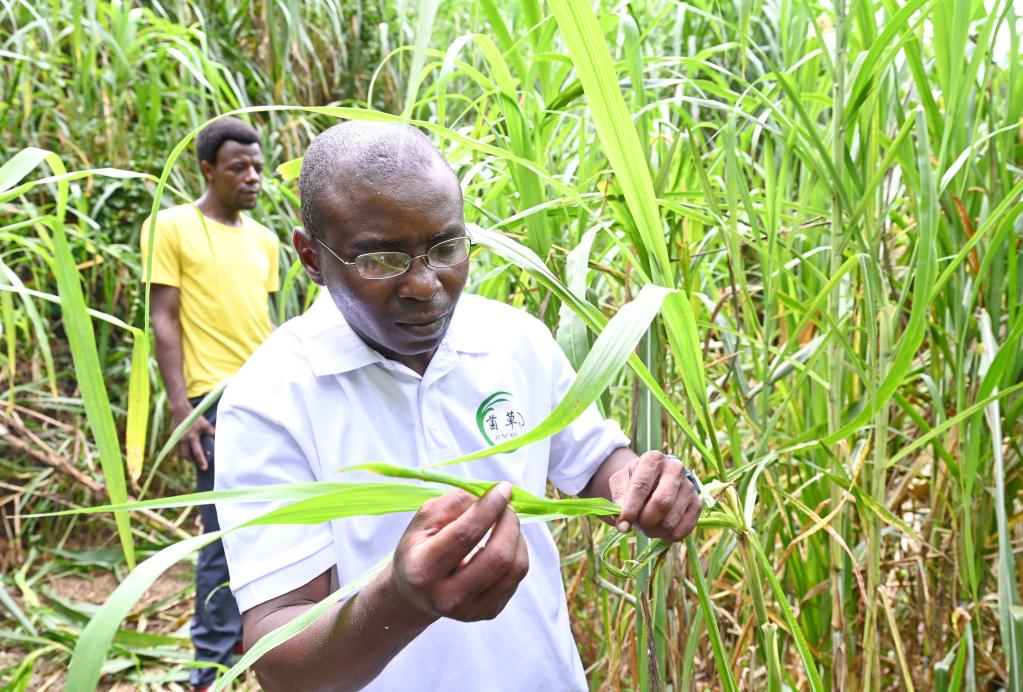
(610, 351)
(20, 165)
(175, 437)
(94, 641)
(685, 340)
(315, 503)
(1008, 589)
(12, 608)
(70, 176)
(721, 658)
(796, 632)
(571, 334)
(359, 498)
(523, 501)
(618, 137)
(424, 31)
(82, 341)
(35, 319)
(297, 625)
(924, 272)
(138, 404)
(952, 421)
(525, 258)
(290, 170)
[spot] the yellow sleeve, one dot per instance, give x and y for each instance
(166, 254)
(273, 253)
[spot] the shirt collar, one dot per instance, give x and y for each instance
(332, 346)
(467, 332)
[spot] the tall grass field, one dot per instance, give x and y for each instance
(780, 238)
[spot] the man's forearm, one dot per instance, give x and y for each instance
(344, 649)
(170, 359)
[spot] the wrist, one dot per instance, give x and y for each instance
(395, 597)
(179, 408)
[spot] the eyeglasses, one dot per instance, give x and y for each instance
(388, 265)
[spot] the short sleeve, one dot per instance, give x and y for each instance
(166, 253)
(273, 253)
(264, 561)
(578, 449)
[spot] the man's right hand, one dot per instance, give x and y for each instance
(190, 445)
(438, 573)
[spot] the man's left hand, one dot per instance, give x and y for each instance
(655, 494)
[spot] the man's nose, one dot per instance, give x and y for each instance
(253, 175)
(420, 281)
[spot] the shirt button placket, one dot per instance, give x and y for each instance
(436, 442)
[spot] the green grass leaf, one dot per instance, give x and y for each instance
(609, 353)
(78, 326)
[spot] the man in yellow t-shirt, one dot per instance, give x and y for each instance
(213, 269)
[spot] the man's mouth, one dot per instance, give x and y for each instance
(424, 326)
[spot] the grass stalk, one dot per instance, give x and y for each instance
(871, 643)
(835, 365)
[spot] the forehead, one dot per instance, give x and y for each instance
(231, 150)
(409, 208)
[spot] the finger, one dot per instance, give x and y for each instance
(454, 541)
(491, 562)
(441, 511)
(664, 497)
(645, 473)
(205, 427)
(689, 519)
(671, 523)
(198, 455)
(489, 604)
(618, 483)
(185, 449)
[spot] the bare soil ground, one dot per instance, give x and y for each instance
(165, 609)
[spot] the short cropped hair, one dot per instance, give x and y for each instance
(377, 151)
(213, 136)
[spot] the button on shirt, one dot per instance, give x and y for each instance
(314, 398)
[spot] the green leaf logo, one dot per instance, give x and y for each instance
(486, 408)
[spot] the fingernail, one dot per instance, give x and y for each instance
(623, 527)
(504, 489)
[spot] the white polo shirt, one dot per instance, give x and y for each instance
(315, 398)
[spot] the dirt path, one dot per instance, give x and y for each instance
(65, 598)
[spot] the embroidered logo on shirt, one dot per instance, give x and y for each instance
(498, 419)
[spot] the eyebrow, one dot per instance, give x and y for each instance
(375, 245)
(382, 245)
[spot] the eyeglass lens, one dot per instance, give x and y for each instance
(386, 265)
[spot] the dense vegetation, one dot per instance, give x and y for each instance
(835, 191)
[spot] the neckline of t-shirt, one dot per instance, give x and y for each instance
(209, 220)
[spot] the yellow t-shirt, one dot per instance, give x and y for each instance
(224, 274)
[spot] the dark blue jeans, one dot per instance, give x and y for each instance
(217, 624)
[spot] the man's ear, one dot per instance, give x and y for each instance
(308, 254)
(207, 170)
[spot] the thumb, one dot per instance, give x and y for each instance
(618, 483)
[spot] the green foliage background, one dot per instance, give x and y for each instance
(834, 191)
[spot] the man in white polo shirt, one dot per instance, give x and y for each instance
(392, 363)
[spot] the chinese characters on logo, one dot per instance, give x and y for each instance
(499, 419)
